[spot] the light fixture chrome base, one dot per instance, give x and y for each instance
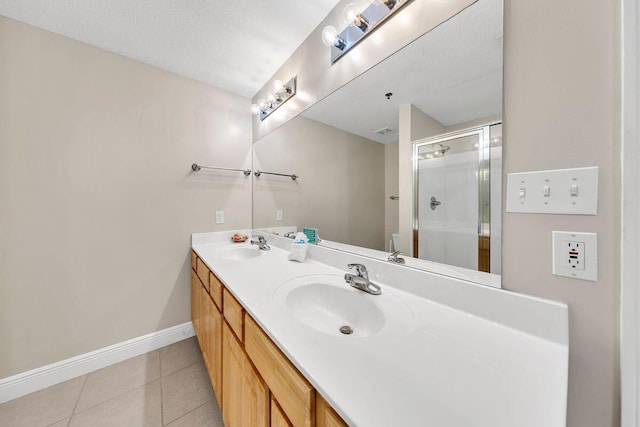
(374, 15)
(281, 98)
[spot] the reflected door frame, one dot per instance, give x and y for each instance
(484, 187)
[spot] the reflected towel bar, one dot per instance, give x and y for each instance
(292, 176)
(196, 167)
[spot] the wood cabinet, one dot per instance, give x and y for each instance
(278, 418)
(245, 397)
(254, 382)
(292, 391)
(325, 415)
(212, 351)
(203, 273)
(195, 302)
(234, 315)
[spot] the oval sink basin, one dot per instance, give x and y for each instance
(236, 254)
(328, 304)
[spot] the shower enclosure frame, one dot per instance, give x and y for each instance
(484, 186)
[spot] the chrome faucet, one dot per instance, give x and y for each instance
(395, 258)
(261, 242)
(361, 280)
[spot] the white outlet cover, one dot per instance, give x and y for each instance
(219, 217)
(561, 266)
(279, 215)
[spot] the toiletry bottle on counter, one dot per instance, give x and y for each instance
(299, 248)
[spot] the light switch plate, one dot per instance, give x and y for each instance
(575, 255)
(279, 215)
(559, 191)
(219, 217)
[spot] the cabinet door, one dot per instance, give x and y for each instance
(195, 302)
(325, 415)
(213, 346)
(245, 397)
(278, 418)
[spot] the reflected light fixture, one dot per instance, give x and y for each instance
(282, 92)
(361, 23)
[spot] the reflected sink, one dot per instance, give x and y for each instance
(327, 303)
(238, 253)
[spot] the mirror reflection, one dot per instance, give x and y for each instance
(367, 157)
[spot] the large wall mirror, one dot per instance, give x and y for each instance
(424, 123)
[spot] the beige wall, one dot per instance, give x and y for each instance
(97, 202)
(340, 189)
(560, 111)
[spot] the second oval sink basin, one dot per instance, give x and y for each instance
(236, 254)
(328, 304)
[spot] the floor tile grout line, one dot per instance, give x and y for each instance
(120, 395)
(183, 368)
(84, 384)
(187, 413)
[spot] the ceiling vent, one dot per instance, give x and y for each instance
(383, 131)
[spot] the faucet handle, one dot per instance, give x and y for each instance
(261, 239)
(360, 268)
(394, 258)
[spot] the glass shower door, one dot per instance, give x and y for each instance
(452, 199)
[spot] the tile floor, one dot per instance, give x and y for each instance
(166, 387)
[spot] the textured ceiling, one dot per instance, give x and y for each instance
(235, 44)
(453, 74)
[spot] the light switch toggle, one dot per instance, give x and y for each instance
(523, 192)
(573, 190)
(546, 191)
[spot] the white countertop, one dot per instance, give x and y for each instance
(471, 356)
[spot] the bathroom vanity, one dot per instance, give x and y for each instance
(429, 350)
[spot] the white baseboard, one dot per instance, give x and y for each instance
(55, 373)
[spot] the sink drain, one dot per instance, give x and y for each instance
(346, 329)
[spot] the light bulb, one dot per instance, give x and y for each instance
(279, 87)
(329, 35)
(262, 105)
(255, 109)
(350, 12)
(271, 100)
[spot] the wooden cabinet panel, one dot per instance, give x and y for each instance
(293, 392)
(245, 397)
(215, 289)
(278, 418)
(325, 415)
(195, 302)
(203, 273)
(233, 314)
(212, 352)
(194, 258)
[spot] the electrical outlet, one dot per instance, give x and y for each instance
(575, 255)
(278, 215)
(219, 217)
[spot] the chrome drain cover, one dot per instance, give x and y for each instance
(346, 329)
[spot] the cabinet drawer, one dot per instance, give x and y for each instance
(233, 314)
(325, 415)
(203, 273)
(292, 391)
(215, 289)
(194, 258)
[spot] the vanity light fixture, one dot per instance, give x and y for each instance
(360, 25)
(282, 93)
